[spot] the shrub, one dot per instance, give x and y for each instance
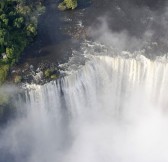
(54, 76)
(4, 69)
(68, 4)
(17, 79)
(47, 73)
(71, 4)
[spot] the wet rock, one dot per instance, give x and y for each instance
(33, 73)
(13, 71)
(38, 77)
(38, 69)
(31, 67)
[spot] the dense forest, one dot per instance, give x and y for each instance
(18, 27)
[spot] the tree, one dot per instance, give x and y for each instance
(10, 52)
(71, 4)
(68, 4)
(18, 27)
(18, 22)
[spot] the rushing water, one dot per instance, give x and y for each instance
(113, 108)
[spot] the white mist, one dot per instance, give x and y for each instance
(114, 109)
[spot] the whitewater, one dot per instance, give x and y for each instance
(113, 108)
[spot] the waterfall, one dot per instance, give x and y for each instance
(104, 82)
(113, 108)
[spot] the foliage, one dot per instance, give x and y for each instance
(68, 4)
(18, 79)
(47, 73)
(3, 73)
(71, 4)
(54, 76)
(18, 27)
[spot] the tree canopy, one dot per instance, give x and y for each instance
(18, 26)
(68, 4)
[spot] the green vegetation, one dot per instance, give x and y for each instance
(50, 74)
(68, 4)
(18, 79)
(3, 72)
(47, 73)
(18, 27)
(54, 76)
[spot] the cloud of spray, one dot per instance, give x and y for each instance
(90, 128)
(7, 93)
(119, 40)
(141, 135)
(131, 27)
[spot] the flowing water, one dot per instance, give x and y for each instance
(111, 108)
